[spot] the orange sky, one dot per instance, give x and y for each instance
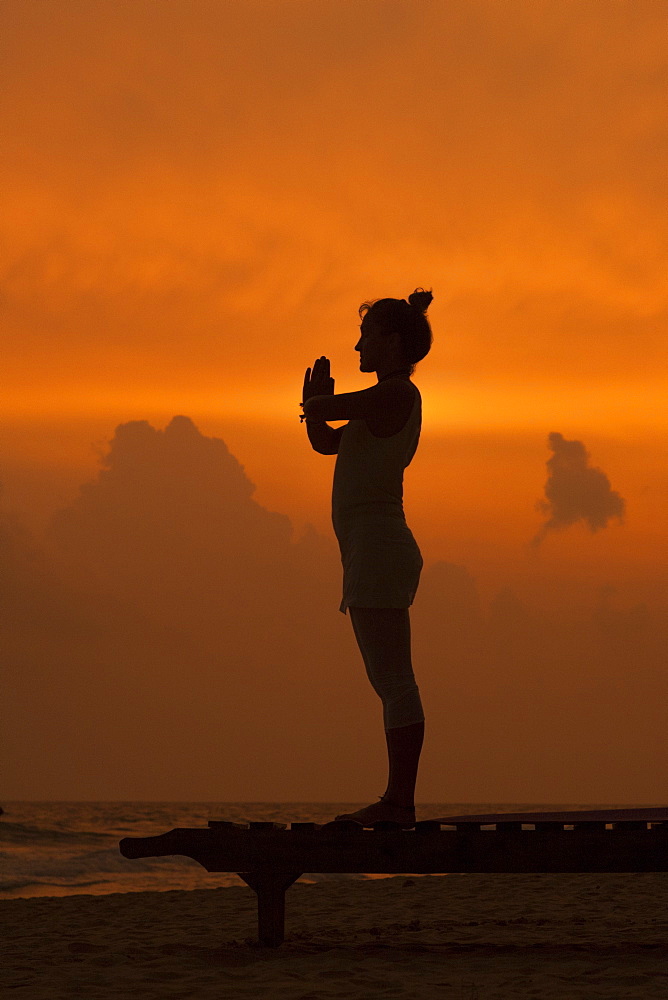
(198, 197)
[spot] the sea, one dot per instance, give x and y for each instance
(71, 848)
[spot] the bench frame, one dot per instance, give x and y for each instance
(269, 858)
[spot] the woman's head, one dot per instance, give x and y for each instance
(398, 326)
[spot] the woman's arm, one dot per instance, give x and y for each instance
(324, 439)
(372, 402)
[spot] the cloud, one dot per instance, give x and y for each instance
(575, 490)
(170, 523)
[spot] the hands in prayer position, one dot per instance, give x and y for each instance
(318, 382)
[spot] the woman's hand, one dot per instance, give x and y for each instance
(318, 382)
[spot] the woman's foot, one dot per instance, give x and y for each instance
(383, 812)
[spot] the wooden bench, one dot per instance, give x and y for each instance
(269, 857)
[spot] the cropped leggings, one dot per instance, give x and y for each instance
(384, 639)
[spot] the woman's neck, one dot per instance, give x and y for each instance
(400, 372)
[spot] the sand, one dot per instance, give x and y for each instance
(465, 937)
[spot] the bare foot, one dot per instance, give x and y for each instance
(379, 812)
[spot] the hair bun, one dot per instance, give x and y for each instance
(420, 299)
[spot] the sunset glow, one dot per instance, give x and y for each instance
(197, 199)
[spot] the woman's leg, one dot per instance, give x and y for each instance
(383, 636)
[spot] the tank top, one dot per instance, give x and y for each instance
(369, 470)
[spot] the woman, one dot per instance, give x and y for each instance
(381, 559)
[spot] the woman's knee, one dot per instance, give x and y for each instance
(394, 682)
(403, 708)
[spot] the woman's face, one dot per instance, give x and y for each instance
(378, 351)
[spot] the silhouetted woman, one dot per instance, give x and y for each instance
(381, 559)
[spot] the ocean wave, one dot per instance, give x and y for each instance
(22, 832)
(14, 884)
(33, 888)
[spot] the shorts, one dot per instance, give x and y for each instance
(381, 561)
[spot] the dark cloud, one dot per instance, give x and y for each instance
(170, 526)
(575, 490)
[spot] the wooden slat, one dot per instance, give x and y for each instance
(652, 814)
(345, 826)
(428, 826)
(226, 824)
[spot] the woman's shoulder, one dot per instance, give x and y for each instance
(396, 394)
(397, 388)
(396, 401)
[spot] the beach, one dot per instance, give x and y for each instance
(462, 936)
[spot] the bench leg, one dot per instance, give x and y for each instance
(270, 887)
